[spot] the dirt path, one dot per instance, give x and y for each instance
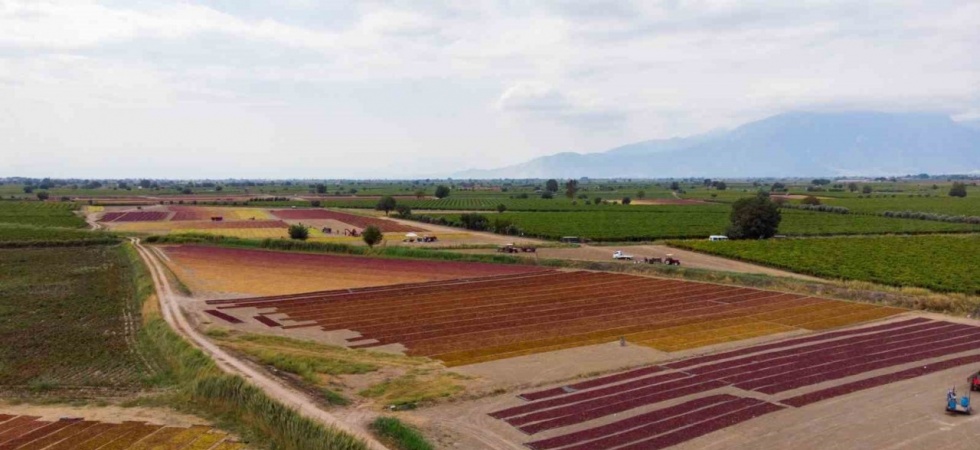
(272, 387)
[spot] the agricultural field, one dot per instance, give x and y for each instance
(487, 319)
(387, 226)
(219, 271)
(43, 214)
(31, 235)
(68, 321)
(32, 432)
(944, 263)
(667, 222)
(663, 405)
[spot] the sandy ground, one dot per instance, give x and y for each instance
(688, 258)
(111, 414)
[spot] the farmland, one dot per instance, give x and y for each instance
(25, 234)
(223, 271)
(32, 432)
(68, 320)
(47, 214)
(500, 317)
(664, 222)
(351, 219)
(638, 408)
(937, 262)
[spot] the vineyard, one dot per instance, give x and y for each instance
(68, 320)
(666, 222)
(726, 387)
(490, 204)
(938, 262)
(259, 272)
(30, 432)
(472, 321)
(46, 214)
(11, 233)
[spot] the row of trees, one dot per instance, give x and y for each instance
(372, 235)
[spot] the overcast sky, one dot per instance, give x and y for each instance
(294, 88)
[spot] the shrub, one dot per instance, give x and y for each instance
(501, 208)
(547, 195)
(626, 200)
(299, 232)
(399, 435)
(472, 221)
(43, 195)
(958, 190)
(442, 191)
(372, 235)
(315, 203)
(404, 211)
(810, 200)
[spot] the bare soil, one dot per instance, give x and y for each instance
(111, 414)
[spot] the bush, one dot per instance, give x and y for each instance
(404, 211)
(299, 232)
(958, 190)
(399, 435)
(810, 200)
(626, 200)
(43, 195)
(372, 235)
(501, 208)
(473, 221)
(315, 203)
(547, 195)
(442, 191)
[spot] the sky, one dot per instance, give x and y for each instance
(404, 89)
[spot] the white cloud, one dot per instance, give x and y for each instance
(403, 79)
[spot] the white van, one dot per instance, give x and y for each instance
(717, 238)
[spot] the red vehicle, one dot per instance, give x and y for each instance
(974, 381)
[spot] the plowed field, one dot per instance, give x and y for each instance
(486, 319)
(222, 271)
(639, 409)
(387, 226)
(28, 432)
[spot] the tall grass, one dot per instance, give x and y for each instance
(200, 387)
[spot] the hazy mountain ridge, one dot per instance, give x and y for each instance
(791, 144)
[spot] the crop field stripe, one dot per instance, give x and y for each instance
(824, 366)
(881, 380)
(792, 342)
(601, 381)
(45, 429)
(404, 287)
(643, 425)
(702, 428)
(223, 316)
(267, 321)
(554, 306)
(796, 352)
(21, 430)
(73, 429)
(589, 395)
(581, 413)
(108, 433)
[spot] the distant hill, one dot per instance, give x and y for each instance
(791, 144)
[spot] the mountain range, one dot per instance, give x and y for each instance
(785, 145)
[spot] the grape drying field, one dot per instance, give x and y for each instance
(470, 321)
(31, 432)
(664, 405)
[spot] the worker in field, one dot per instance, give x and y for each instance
(622, 341)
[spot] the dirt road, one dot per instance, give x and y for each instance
(272, 387)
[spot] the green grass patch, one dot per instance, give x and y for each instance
(43, 214)
(399, 435)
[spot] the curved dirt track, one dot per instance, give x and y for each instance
(272, 387)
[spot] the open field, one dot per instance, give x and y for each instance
(225, 271)
(68, 320)
(36, 433)
(46, 214)
(487, 319)
(703, 220)
(938, 262)
(664, 405)
(354, 220)
(14, 233)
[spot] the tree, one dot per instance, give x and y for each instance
(501, 208)
(442, 191)
(547, 195)
(315, 203)
(186, 191)
(852, 186)
(404, 210)
(386, 204)
(641, 194)
(321, 188)
(571, 187)
(958, 190)
(627, 200)
(675, 186)
(372, 235)
(754, 218)
(43, 195)
(219, 188)
(778, 187)
(420, 194)
(810, 200)
(720, 185)
(551, 185)
(145, 184)
(597, 200)
(299, 232)
(821, 182)
(473, 221)
(28, 189)
(867, 189)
